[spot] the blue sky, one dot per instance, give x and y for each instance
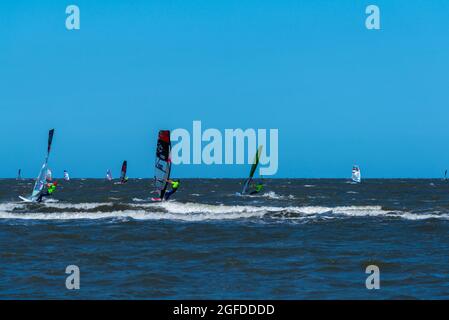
(337, 92)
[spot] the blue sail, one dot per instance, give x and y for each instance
(42, 177)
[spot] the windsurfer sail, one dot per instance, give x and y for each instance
(248, 181)
(123, 177)
(109, 175)
(49, 174)
(41, 179)
(356, 176)
(19, 174)
(162, 164)
(66, 176)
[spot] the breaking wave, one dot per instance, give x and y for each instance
(190, 211)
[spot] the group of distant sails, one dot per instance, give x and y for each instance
(162, 168)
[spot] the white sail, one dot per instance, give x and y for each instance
(49, 174)
(109, 175)
(40, 182)
(66, 176)
(356, 175)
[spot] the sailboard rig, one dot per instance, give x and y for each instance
(66, 176)
(109, 175)
(19, 174)
(162, 166)
(42, 177)
(356, 176)
(248, 181)
(123, 177)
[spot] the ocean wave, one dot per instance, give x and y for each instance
(192, 211)
(78, 206)
(9, 206)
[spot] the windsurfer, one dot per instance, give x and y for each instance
(51, 187)
(174, 187)
(257, 188)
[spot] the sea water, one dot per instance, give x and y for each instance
(298, 239)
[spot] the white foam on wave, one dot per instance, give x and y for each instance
(50, 200)
(133, 214)
(275, 196)
(9, 206)
(172, 210)
(73, 215)
(272, 195)
(78, 206)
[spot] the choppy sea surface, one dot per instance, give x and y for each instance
(299, 239)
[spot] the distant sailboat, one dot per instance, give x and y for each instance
(356, 175)
(66, 176)
(109, 175)
(19, 174)
(445, 175)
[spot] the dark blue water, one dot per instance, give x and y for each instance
(300, 239)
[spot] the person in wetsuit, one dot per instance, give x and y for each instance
(51, 187)
(257, 188)
(174, 188)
